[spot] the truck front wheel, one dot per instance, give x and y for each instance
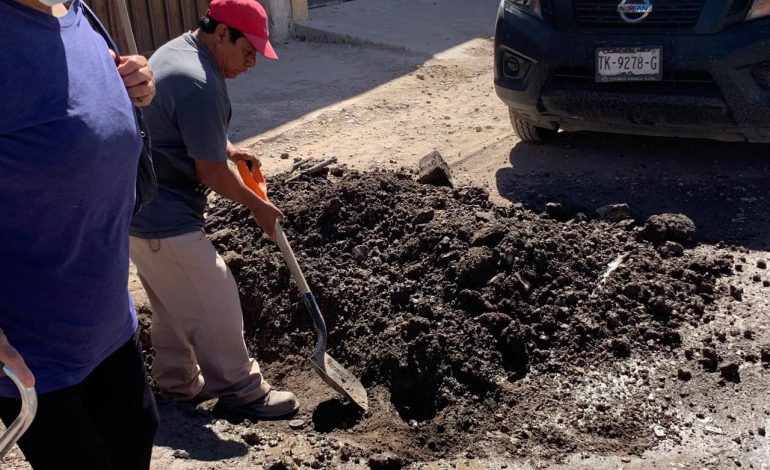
(529, 132)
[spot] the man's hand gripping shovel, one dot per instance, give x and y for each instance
(27, 414)
(330, 370)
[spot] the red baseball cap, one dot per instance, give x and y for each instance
(248, 17)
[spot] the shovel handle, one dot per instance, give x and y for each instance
(125, 28)
(27, 414)
(304, 289)
(330, 370)
(291, 260)
(256, 182)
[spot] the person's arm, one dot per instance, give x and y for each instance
(241, 153)
(226, 182)
(11, 357)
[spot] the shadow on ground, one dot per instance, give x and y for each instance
(310, 76)
(426, 27)
(184, 428)
(723, 187)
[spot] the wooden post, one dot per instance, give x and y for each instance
(299, 10)
(125, 32)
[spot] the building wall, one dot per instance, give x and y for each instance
(281, 20)
(155, 22)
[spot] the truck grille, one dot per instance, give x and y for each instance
(667, 15)
(674, 82)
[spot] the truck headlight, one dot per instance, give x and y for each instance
(759, 9)
(529, 6)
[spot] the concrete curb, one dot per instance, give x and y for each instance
(307, 32)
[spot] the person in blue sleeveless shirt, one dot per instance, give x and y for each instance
(69, 148)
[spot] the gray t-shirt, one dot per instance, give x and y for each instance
(188, 121)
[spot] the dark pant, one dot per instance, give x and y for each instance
(106, 422)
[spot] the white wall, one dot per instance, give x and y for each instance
(281, 20)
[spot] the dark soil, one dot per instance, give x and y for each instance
(469, 322)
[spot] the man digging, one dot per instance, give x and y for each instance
(197, 323)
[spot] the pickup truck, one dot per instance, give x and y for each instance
(685, 68)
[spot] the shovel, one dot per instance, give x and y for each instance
(330, 370)
(27, 414)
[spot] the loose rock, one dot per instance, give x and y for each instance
(434, 170)
(616, 213)
(675, 227)
(385, 461)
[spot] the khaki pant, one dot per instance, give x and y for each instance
(197, 323)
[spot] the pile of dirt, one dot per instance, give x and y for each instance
(473, 320)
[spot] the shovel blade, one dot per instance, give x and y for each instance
(340, 379)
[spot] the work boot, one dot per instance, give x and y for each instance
(275, 404)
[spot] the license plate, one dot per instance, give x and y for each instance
(628, 64)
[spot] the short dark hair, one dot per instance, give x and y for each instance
(208, 25)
